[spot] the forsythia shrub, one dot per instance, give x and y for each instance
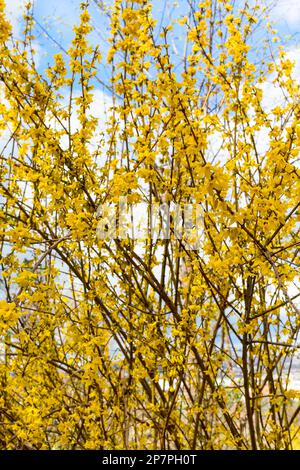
(143, 342)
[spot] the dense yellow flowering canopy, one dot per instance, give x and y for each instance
(128, 342)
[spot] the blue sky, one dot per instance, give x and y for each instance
(55, 19)
(58, 17)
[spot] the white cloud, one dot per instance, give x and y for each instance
(99, 108)
(294, 55)
(273, 95)
(288, 11)
(14, 11)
